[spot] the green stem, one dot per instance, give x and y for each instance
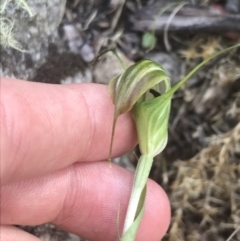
(140, 180)
(191, 73)
(119, 60)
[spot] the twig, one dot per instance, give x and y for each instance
(235, 232)
(90, 19)
(117, 16)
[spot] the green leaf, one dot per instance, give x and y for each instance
(149, 40)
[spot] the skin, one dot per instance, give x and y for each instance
(54, 146)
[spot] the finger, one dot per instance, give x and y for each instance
(10, 233)
(47, 127)
(84, 200)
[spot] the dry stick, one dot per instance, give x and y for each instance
(117, 16)
(235, 232)
(181, 110)
(90, 19)
(165, 33)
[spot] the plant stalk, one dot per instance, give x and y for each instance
(140, 180)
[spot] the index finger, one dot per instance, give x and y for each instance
(47, 127)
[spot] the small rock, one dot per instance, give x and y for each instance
(81, 77)
(34, 34)
(76, 43)
(108, 66)
(233, 6)
(170, 62)
(87, 53)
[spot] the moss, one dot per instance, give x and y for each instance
(6, 25)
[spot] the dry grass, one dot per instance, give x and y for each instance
(205, 190)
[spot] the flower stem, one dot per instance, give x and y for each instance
(140, 180)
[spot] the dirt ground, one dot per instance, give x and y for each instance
(200, 167)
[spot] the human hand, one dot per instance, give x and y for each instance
(54, 145)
